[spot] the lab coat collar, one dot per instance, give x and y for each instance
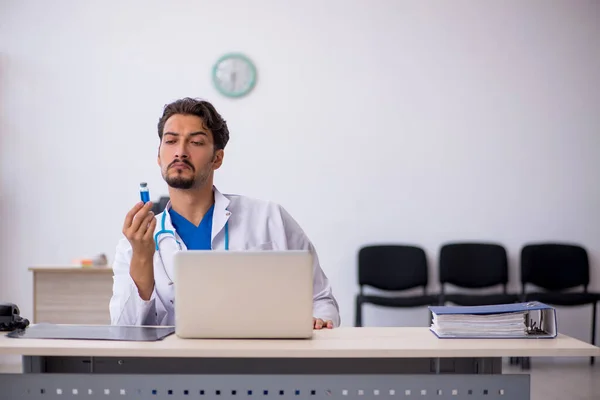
(168, 226)
(220, 214)
(168, 223)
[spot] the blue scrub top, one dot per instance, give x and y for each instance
(194, 237)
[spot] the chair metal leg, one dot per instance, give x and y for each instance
(358, 313)
(592, 359)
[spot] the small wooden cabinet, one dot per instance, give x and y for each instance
(72, 295)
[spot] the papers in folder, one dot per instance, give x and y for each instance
(520, 320)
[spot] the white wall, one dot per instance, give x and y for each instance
(390, 121)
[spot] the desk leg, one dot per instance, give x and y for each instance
(34, 364)
(488, 365)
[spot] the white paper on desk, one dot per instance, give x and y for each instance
(508, 324)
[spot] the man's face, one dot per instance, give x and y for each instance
(186, 156)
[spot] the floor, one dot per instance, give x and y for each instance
(551, 379)
(556, 379)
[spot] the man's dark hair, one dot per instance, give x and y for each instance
(200, 108)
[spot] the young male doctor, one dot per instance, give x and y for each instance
(193, 137)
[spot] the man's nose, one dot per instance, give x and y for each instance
(182, 151)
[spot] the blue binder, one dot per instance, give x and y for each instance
(540, 320)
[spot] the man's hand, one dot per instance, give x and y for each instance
(139, 230)
(318, 323)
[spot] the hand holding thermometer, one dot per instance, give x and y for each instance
(144, 192)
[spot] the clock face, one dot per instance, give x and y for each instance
(234, 75)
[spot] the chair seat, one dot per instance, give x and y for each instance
(413, 301)
(564, 299)
(481, 299)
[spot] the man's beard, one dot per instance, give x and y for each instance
(180, 182)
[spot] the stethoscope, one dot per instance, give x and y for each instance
(168, 232)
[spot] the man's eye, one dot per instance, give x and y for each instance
(169, 141)
(198, 143)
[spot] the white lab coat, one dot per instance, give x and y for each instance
(253, 224)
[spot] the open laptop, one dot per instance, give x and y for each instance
(243, 294)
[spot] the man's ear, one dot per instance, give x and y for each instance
(158, 154)
(218, 159)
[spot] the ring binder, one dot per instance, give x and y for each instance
(518, 320)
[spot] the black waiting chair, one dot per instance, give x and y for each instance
(392, 268)
(557, 269)
(160, 205)
(474, 266)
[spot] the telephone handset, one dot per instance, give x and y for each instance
(10, 318)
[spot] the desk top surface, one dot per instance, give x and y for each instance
(335, 343)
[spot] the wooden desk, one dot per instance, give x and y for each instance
(334, 343)
(341, 363)
(72, 295)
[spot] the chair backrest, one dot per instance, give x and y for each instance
(555, 266)
(473, 265)
(160, 205)
(392, 267)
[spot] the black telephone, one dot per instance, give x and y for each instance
(10, 319)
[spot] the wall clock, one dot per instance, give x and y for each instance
(234, 75)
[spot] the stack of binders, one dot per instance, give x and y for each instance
(519, 320)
